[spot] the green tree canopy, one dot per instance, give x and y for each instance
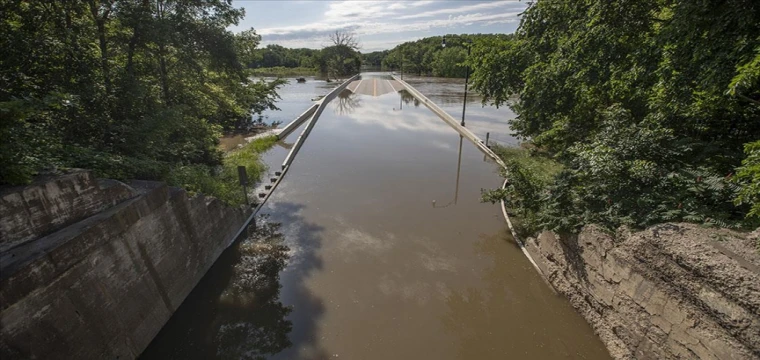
(128, 88)
(648, 104)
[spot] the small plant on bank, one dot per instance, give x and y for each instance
(222, 181)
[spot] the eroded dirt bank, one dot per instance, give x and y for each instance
(671, 291)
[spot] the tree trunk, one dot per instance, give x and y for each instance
(162, 54)
(100, 22)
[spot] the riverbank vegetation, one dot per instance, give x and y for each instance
(281, 71)
(427, 56)
(338, 60)
(129, 89)
(222, 182)
(652, 109)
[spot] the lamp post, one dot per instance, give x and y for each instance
(466, 76)
(456, 188)
(402, 65)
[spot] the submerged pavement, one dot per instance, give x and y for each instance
(391, 254)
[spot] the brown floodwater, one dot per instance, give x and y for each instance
(390, 255)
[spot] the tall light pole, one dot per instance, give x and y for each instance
(468, 43)
(402, 65)
(456, 188)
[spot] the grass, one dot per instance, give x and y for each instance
(529, 172)
(280, 71)
(530, 159)
(222, 182)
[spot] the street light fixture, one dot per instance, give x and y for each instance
(468, 43)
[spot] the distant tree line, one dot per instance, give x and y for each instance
(276, 55)
(339, 59)
(427, 56)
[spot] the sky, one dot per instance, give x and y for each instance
(378, 25)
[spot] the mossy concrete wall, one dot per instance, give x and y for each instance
(103, 287)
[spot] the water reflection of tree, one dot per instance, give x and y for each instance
(251, 323)
(235, 311)
(259, 122)
(408, 98)
(346, 102)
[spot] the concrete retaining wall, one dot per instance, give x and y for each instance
(105, 286)
(672, 291)
(32, 211)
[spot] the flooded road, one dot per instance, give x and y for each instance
(390, 254)
(295, 97)
(448, 94)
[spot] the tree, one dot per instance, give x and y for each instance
(427, 56)
(342, 58)
(375, 58)
(160, 83)
(344, 38)
(449, 62)
(647, 104)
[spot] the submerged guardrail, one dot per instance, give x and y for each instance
(313, 120)
(479, 143)
(450, 120)
(312, 114)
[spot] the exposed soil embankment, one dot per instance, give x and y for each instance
(671, 291)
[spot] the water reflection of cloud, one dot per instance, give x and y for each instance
(394, 285)
(479, 120)
(354, 240)
(382, 113)
(437, 263)
(442, 145)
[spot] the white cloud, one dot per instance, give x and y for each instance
(378, 18)
(421, 3)
(357, 10)
(459, 10)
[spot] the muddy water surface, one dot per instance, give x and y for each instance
(391, 256)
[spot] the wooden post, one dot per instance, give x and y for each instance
(243, 177)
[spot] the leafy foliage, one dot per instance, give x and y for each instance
(375, 58)
(427, 56)
(129, 89)
(338, 60)
(646, 104)
(748, 175)
(222, 181)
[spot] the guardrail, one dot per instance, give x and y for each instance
(289, 128)
(450, 120)
(317, 110)
(325, 100)
(479, 143)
